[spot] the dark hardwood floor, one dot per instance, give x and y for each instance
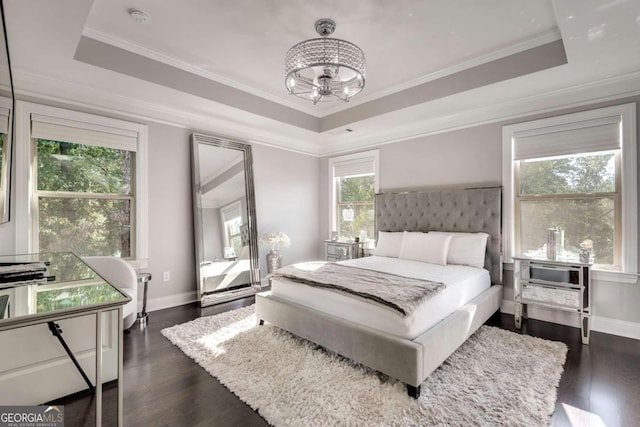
(600, 385)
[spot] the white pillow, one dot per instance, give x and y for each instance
(425, 247)
(389, 244)
(466, 248)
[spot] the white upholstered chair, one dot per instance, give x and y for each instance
(119, 273)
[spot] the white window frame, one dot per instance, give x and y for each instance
(231, 207)
(335, 161)
(26, 205)
(629, 178)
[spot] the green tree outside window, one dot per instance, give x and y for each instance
(577, 193)
(85, 199)
(356, 193)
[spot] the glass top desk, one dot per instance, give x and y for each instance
(40, 289)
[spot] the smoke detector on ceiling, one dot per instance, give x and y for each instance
(139, 16)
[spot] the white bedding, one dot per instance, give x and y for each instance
(463, 284)
(218, 275)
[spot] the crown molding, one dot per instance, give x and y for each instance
(539, 40)
(85, 97)
(190, 68)
(28, 84)
(207, 179)
(604, 90)
(217, 204)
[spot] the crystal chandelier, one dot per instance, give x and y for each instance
(324, 69)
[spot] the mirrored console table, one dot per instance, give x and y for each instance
(43, 289)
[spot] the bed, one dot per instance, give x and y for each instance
(222, 275)
(409, 349)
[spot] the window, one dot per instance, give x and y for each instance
(576, 173)
(232, 226)
(81, 183)
(354, 183)
(579, 194)
(85, 197)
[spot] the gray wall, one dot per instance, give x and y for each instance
(171, 243)
(213, 249)
(474, 156)
(287, 200)
(467, 156)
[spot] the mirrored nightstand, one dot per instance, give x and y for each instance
(562, 285)
(340, 251)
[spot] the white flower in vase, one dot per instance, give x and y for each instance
(275, 240)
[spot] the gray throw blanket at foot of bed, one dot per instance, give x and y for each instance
(403, 294)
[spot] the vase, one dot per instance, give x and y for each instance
(585, 256)
(274, 261)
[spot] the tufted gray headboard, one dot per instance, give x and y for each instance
(464, 210)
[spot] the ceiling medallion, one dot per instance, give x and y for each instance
(325, 69)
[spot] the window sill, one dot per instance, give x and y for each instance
(138, 264)
(600, 275)
(615, 276)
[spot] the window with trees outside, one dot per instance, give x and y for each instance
(578, 194)
(354, 184)
(81, 182)
(86, 198)
(575, 176)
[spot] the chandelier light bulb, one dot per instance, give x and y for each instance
(325, 69)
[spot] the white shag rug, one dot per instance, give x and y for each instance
(496, 378)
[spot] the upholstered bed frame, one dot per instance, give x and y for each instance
(410, 361)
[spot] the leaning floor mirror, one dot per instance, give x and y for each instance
(224, 219)
(6, 113)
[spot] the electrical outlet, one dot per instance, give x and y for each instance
(166, 276)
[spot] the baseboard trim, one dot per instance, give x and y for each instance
(622, 328)
(154, 304)
(611, 326)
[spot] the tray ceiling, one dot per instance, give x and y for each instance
(217, 66)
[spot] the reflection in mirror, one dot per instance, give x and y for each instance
(6, 107)
(112, 366)
(224, 219)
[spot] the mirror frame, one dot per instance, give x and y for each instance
(221, 142)
(7, 148)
